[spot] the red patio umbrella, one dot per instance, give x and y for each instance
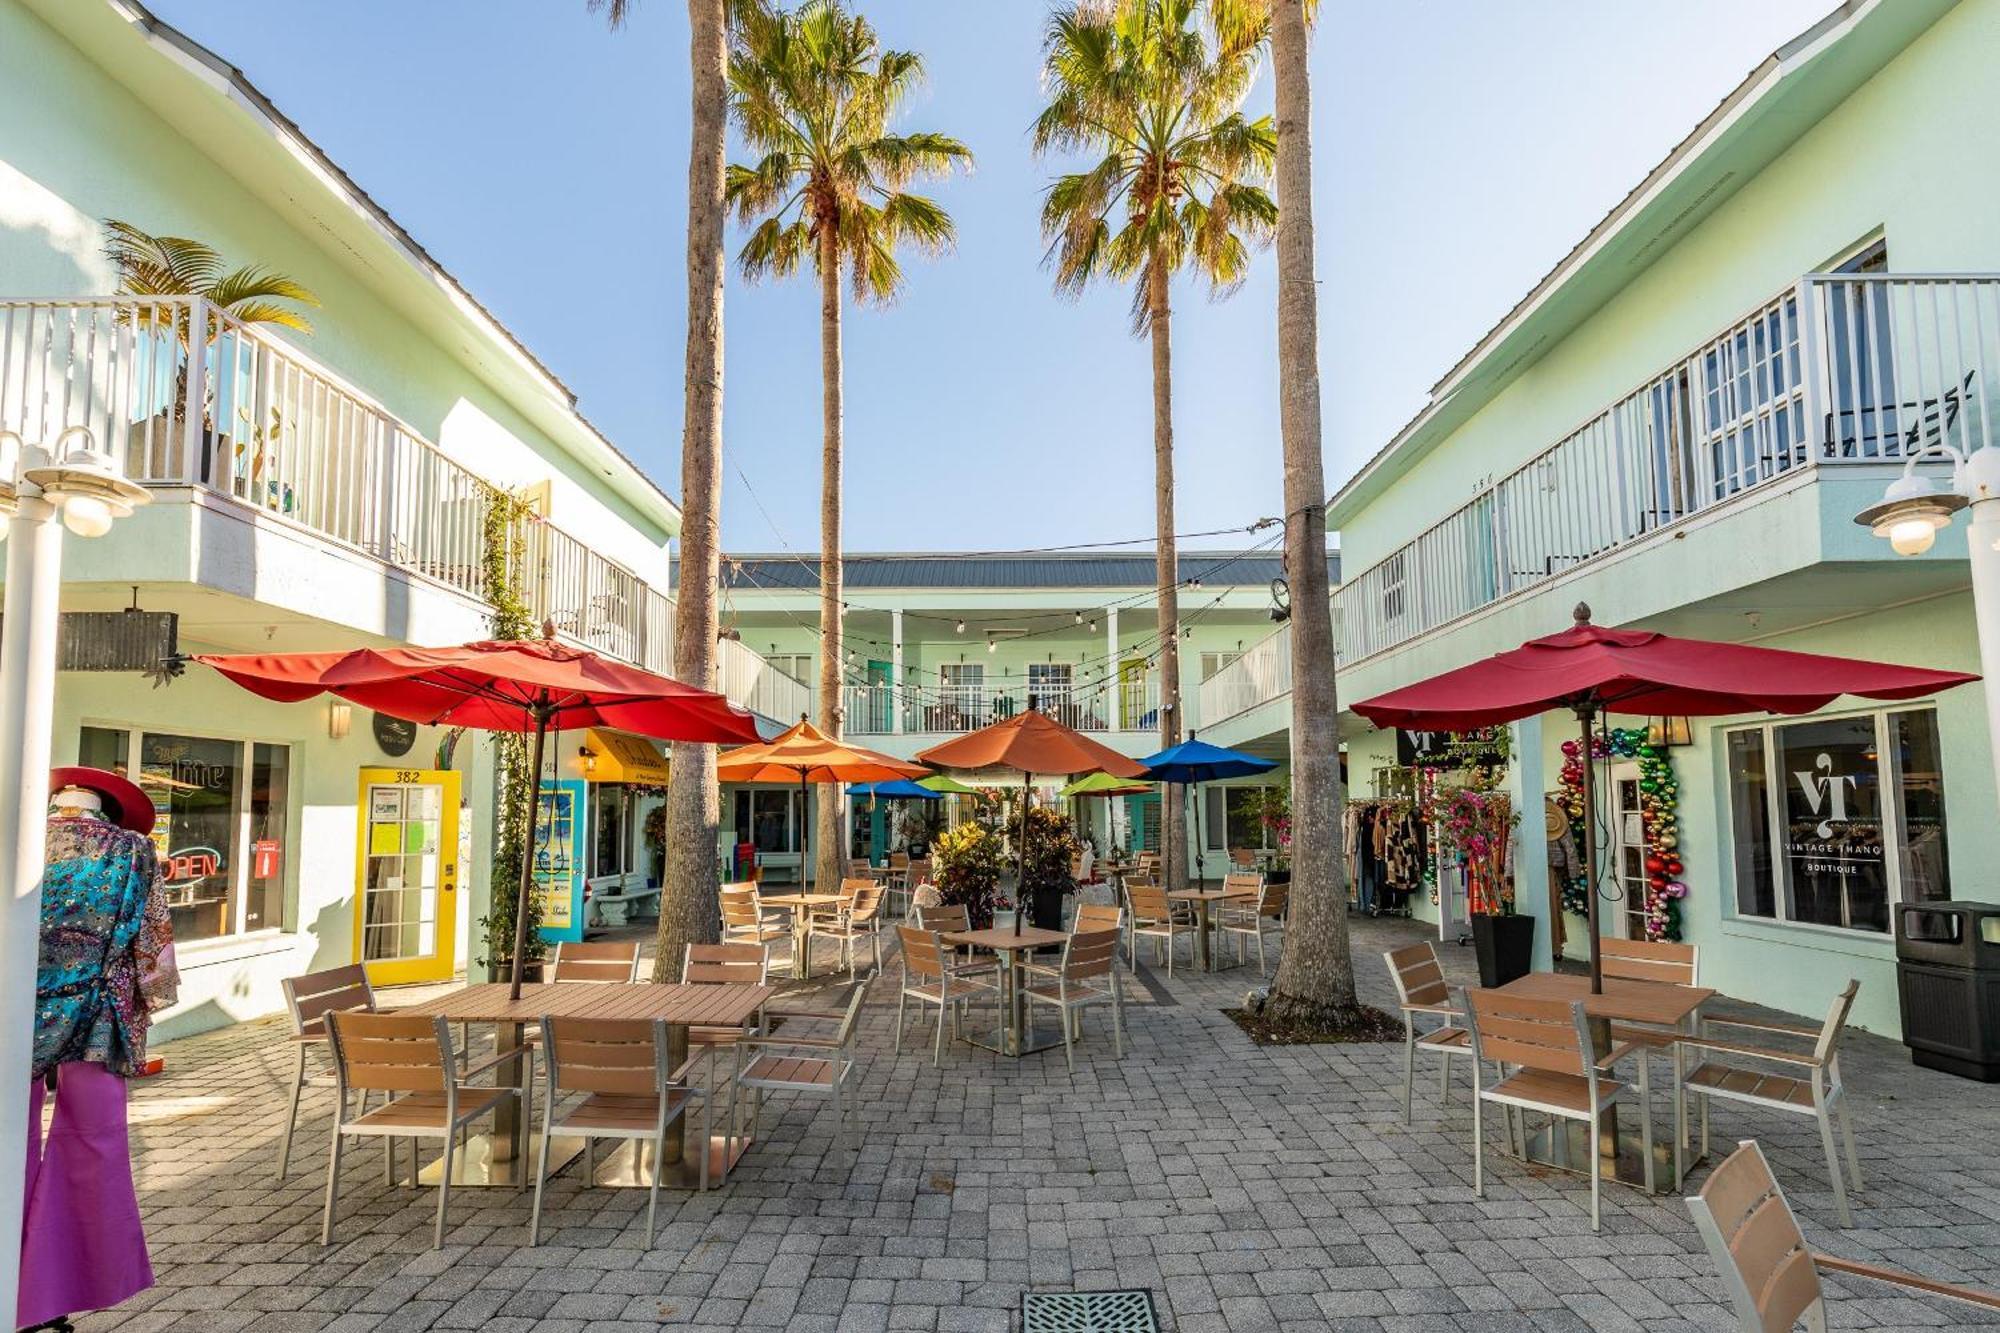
(1029, 743)
(1590, 669)
(498, 685)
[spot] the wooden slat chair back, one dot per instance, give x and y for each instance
(945, 917)
(624, 1069)
(1421, 991)
(309, 999)
(739, 907)
(1248, 917)
(601, 961)
(1773, 1278)
(725, 965)
(1086, 974)
(795, 1058)
(1247, 883)
(1097, 916)
(933, 974)
(1557, 1072)
(1651, 960)
(1735, 1070)
(899, 860)
(410, 1058)
(1276, 901)
(920, 870)
(1153, 916)
(1243, 859)
(858, 918)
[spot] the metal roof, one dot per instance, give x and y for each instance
(1096, 569)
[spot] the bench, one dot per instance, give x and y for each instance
(629, 903)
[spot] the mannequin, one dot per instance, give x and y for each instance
(106, 966)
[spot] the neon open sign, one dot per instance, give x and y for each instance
(192, 863)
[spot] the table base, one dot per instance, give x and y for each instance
(478, 1166)
(1564, 1145)
(631, 1166)
(1004, 1044)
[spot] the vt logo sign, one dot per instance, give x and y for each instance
(1826, 793)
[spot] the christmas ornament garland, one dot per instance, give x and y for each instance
(1659, 817)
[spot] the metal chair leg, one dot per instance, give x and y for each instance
(332, 1175)
(1478, 1147)
(660, 1168)
(1409, 1071)
(444, 1186)
(541, 1172)
(1847, 1135)
(1825, 1119)
(1646, 1118)
(1596, 1176)
(292, 1112)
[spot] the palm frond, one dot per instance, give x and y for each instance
(775, 249)
(149, 265)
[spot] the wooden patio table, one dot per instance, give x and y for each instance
(504, 1157)
(1657, 1004)
(1203, 899)
(1010, 947)
(800, 905)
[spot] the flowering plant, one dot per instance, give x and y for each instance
(1474, 826)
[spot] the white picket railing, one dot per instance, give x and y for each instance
(1262, 673)
(1839, 368)
(883, 709)
(749, 680)
(188, 396)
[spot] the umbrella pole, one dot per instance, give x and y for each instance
(805, 832)
(1585, 716)
(1021, 855)
(528, 852)
(1200, 843)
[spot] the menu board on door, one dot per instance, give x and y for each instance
(406, 898)
(558, 863)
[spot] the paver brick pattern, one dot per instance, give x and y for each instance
(1250, 1188)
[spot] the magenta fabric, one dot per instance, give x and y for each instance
(82, 1244)
(1639, 672)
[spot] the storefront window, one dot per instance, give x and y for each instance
(222, 817)
(1859, 823)
(611, 844)
(764, 819)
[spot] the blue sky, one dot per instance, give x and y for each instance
(1462, 148)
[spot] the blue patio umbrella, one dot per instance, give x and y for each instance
(1194, 762)
(902, 789)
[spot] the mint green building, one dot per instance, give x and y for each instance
(1677, 426)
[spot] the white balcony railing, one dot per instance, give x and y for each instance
(749, 680)
(1262, 673)
(883, 709)
(190, 397)
(1838, 369)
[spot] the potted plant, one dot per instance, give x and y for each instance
(965, 865)
(1271, 807)
(1045, 878)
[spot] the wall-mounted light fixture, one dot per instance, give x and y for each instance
(1669, 732)
(589, 758)
(339, 719)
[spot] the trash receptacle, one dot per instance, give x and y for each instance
(1948, 980)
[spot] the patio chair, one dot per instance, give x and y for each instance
(1557, 1072)
(944, 919)
(1087, 974)
(630, 1091)
(409, 1055)
(1813, 1089)
(602, 961)
(1421, 989)
(745, 920)
(1772, 1277)
(1102, 916)
(1667, 963)
(931, 976)
(308, 999)
(1252, 919)
(1157, 917)
(859, 919)
(817, 1066)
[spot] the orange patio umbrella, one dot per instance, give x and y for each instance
(806, 753)
(1031, 744)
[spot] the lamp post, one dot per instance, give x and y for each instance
(1910, 514)
(74, 480)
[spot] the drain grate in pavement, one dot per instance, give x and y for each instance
(1088, 1312)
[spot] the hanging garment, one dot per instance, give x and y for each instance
(82, 1244)
(106, 949)
(106, 965)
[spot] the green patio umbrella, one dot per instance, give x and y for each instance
(1104, 784)
(948, 786)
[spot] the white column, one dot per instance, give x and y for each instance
(1985, 561)
(1117, 692)
(1525, 786)
(27, 705)
(896, 671)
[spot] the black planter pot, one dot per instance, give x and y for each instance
(1505, 946)
(1278, 877)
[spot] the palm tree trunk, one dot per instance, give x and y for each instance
(689, 906)
(831, 851)
(1173, 815)
(1315, 981)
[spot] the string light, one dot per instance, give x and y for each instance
(961, 627)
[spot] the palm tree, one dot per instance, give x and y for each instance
(815, 93)
(1178, 186)
(175, 266)
(689, 898)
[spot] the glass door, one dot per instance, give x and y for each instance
(406, 897)
(1628, 855)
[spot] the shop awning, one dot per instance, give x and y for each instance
(623, 757)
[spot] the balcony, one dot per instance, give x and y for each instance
(882, 710)
(750, 681)
(194, 399)
(1263, 673)
(1836, 371)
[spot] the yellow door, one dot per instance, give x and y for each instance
(406, 886)
(1132, 694)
